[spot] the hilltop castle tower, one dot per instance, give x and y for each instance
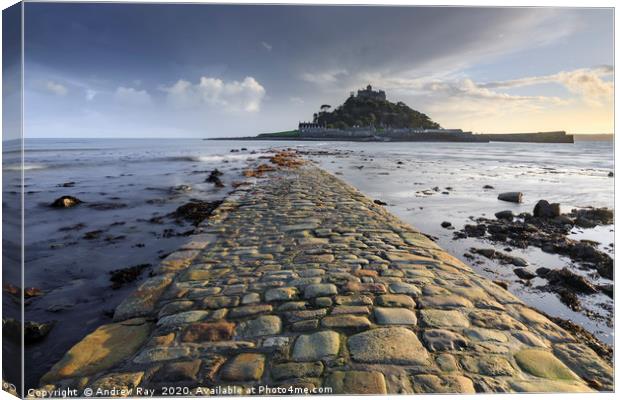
(368, 93)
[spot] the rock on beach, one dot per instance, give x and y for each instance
(543, 209)
(66, 202)
(513, 197)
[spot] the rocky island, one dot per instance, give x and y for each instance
(369, 116)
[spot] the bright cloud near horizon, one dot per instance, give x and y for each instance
(136, 70)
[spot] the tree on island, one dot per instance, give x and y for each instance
(363, 111)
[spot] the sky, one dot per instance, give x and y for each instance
(11, 74)
(180, 70)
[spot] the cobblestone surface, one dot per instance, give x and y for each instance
(300, 280)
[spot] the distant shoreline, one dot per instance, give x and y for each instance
(595, 137)
(537, 137)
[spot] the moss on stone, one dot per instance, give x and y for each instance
(543, 364)
(100, 350)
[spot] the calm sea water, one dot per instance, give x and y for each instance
(132, 182)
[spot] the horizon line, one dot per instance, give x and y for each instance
(236, 137)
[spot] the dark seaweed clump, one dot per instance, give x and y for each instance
(119, 277)
(196, 211)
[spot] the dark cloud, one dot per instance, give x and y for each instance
(129, 37)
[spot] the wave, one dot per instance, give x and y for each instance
(193, 158)
(25, 167)
(209, 158)
(229, 157)
(51, 150)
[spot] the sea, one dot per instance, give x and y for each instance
(130, 187)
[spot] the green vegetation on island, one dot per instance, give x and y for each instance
(370, 108)
(292, 133)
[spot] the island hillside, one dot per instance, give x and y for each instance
(371, 108)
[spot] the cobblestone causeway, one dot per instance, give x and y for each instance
(300, 280)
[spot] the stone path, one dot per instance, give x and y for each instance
(302, 282)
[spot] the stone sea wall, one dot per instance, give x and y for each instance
(301, 282)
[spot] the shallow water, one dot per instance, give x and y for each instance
(133, 178)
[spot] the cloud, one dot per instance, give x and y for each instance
(470, 89)
(56, 88)
(296, 100)
(267, 46)
(246, 95)
(586, 82)
(494, 106)
(90, 94)
(448, 87)
(132, 96)
(325, 77)
(459, 101)
(427, 42)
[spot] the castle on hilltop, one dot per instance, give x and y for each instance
(368, 93)
(358, 119)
